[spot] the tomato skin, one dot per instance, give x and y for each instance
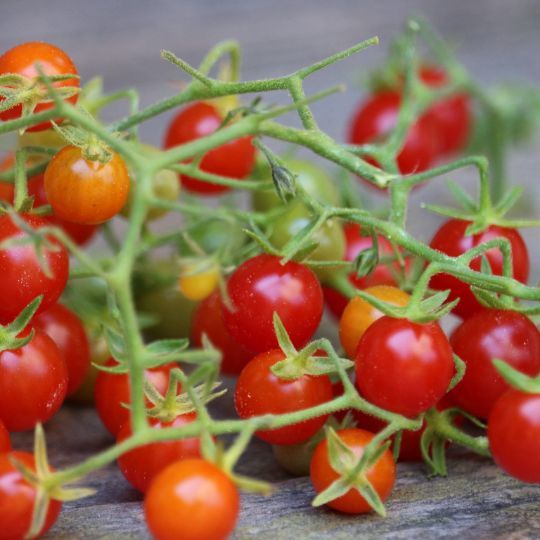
(451, 240)
(376, 118)
(33, 383)
(141, 465)
(83, 191)
(234, 159)
(22, 59)
(514, 434)
(488, 334)
(451, 117)
(261, 286)
(359, 315)
(17, 499)
(5, 443)
(67, 331)
(258, 391)
(402, 366)
(191, 500)
(113, 389)
(23, 279)
(208, 319)
(381, 475)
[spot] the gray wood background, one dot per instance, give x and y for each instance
(121, 39)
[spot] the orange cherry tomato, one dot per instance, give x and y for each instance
(84, 191)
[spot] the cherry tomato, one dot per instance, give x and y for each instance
(17, 498)
(196, 282)
(451, 240)
(5, 443)
(330, 237)
(67, 331)
(382, 274)
(83, 191)
(23, 278)
(514, 434)
(112, 392)
(259, 391)
(451, 117)
(261, 286)
(81, 234)
(374, 120)
(489, 334)
(208, 319)
(402, 366)
(33, 382)
(191, 500)
(313, 180)
(381, 475)
(23, 59)
(359, 315)
(142, 465)
(234, 159)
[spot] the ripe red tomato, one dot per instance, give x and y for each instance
(17, 498)
(67, 331)
(5, 443)
(451, 240)
(450, 117)
(191, 500)
(261, 286)
(83, 191)
(258, 391)
(381, 475)
(489, 334)
(514, 434)
(382, 274)
(234, 159)
(208, 319)
(23, 279)
(22, 60)
(113, 389)
(142, 465)
(375, 119)
(33, 383)
(403, 366)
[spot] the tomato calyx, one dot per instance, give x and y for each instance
(352, 471)
(13, 335)
(46, 483)
(517, 379)
(92, 147)
(303, 362)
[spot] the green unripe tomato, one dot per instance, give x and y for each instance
(313, 179)
(213, 235)
(330, 237)
(296, 458)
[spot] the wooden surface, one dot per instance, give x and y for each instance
(498, 40)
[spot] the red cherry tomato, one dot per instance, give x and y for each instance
(112, 390)
(17, 498)
(402, 366)
(514, 434)
(191, 500)
(234, 159)
(261, 286)
(375, 119)
(451, 240)
(142, 465)
(489, 334)
(23, 59)
(67, 331)
(23, 278)
(208, 319)
(450, 117)
(83, 191)
(381, 475)
(5, 443)
(259, 391)
(382, 274)
(33, 383)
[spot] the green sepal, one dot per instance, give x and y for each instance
(461, 368)
(516, 379)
